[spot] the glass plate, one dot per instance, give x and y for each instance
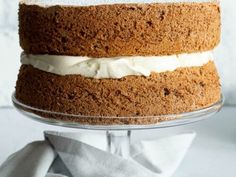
(171, 120)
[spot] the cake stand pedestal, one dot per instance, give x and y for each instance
(118, 142)
(118, 135)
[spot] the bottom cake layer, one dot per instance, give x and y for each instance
(183, 90)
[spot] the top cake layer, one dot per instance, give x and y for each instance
(120, 29)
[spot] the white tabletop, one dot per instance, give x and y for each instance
(213, 153)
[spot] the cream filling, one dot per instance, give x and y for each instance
(116, 67)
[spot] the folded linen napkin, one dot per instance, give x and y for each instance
(84, 155)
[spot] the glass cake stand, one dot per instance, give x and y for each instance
(118, 136)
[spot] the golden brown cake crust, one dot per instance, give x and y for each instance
(120, 30)
(183, 90)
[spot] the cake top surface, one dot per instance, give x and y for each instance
(101, 2)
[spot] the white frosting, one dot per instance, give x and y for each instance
(116, 67)
(100, 2)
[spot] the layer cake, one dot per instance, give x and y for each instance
(119, 60)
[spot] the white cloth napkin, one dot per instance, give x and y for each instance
(84, 155)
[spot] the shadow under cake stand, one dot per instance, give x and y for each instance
(118, 136)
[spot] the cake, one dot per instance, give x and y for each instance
(118, 63)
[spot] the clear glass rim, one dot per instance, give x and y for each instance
(178, 119)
